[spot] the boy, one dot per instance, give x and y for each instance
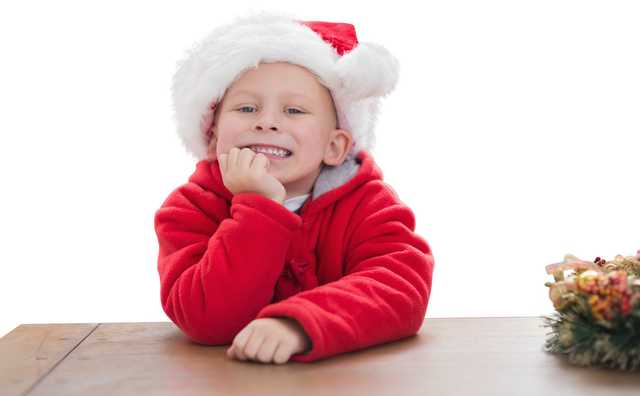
(286, 242)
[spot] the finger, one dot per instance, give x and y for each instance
(267, 350)
(253, 346)
(237, 351)
(245, 158)
(240, 341)
(231, 352)
(261, 162)
(232, 163)
(283, 352)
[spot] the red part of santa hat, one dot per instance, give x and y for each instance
(341, 36)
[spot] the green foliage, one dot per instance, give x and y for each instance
(592, 342)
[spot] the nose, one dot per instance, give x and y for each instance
(264, 126)
(267, 122)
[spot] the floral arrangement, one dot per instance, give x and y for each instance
(597, 319)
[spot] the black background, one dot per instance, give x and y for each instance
(512, 136)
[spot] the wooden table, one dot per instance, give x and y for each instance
(468, 356)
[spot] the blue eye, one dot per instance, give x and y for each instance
(242, 108)
(247, 110)
(292, 111)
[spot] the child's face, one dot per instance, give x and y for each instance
(284, 112)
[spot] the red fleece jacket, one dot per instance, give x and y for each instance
(349, 268)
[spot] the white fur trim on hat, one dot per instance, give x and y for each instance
(356, 80)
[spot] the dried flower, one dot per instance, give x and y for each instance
(561, 295)
(599, 259)
(568, 263)
(598, 306)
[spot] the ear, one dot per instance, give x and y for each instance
(340, 143)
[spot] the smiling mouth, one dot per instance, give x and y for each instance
(270, 150)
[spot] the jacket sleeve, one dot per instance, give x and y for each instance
(218, 264)
(385, 289)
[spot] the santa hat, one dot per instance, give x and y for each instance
(356, 74)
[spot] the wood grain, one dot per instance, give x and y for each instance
(476, 356)
(29, 352)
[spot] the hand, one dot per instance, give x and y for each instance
(270, 340)
(245, 171)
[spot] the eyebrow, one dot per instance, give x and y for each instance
(291, 94)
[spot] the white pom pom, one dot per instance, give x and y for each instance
(368, 71)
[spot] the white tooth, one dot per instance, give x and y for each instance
(279, 152)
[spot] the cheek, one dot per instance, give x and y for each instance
(307, 132)
(226, 137)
